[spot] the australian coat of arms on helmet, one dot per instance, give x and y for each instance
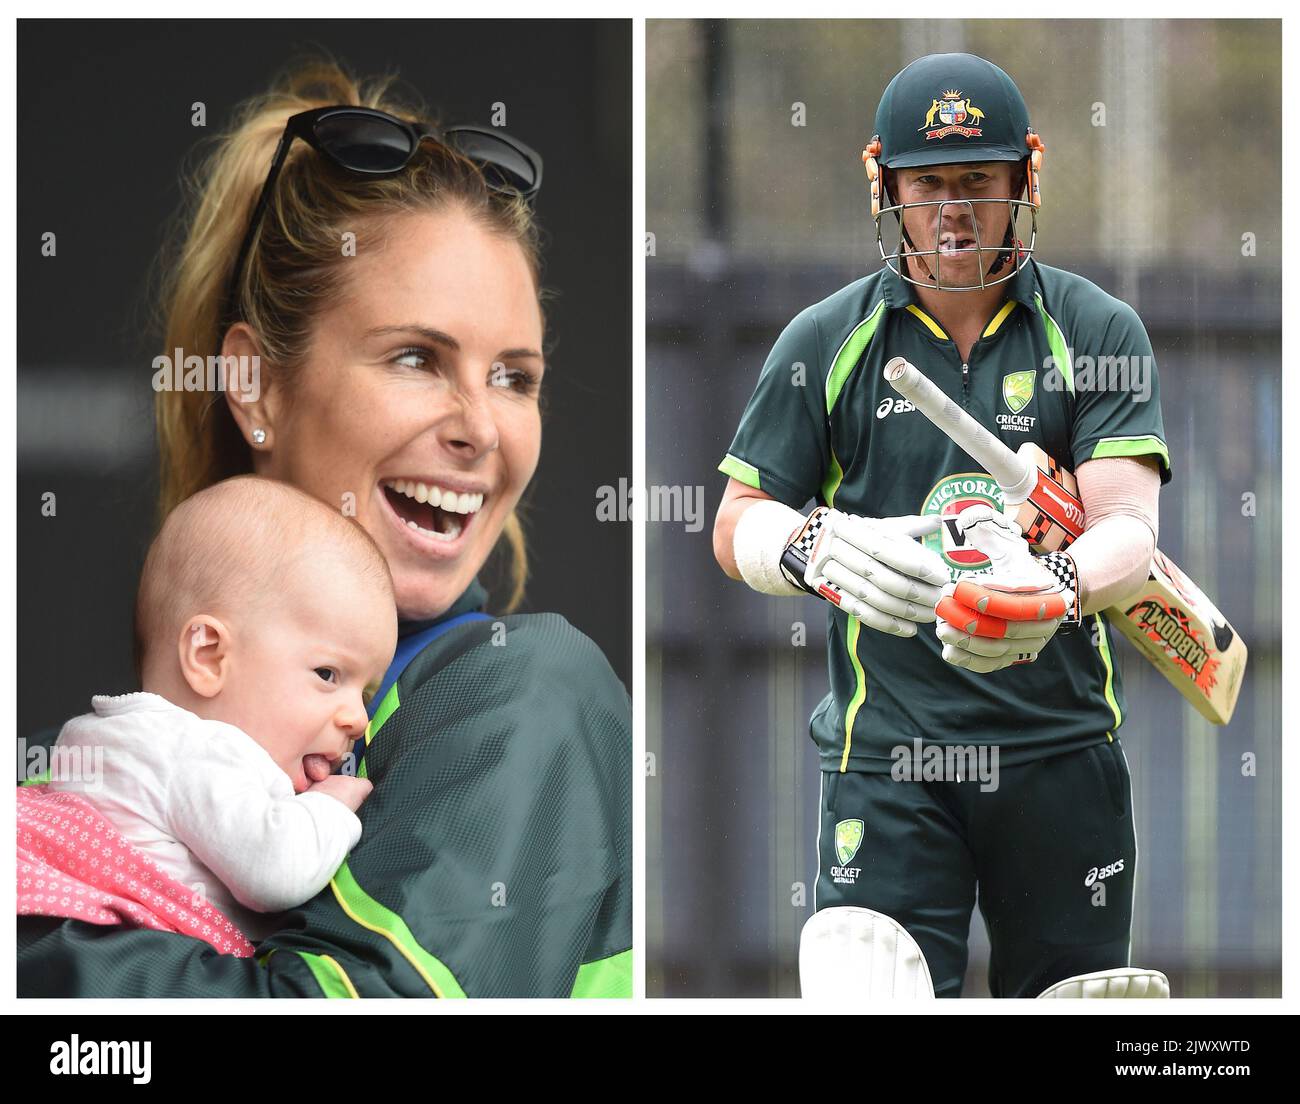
(952, 109)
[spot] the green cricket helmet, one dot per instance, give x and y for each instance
(947, 109)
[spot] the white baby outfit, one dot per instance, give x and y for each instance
(208, 804)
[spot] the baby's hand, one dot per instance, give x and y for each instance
(346, 788)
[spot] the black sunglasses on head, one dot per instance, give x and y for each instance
(370, 142)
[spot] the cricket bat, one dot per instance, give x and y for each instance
(1169, 618)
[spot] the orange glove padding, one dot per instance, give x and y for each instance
(988, 609)
(1007, 616)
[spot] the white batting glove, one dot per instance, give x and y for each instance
(872, 568)
(1007, 614)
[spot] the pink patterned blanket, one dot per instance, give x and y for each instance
(74, 863)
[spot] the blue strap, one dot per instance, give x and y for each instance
(411, 646)
(407, 649)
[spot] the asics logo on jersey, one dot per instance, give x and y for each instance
(893, 406)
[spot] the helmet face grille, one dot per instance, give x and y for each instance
(911, 260)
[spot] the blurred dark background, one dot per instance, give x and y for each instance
(103, 131)
(753, 219)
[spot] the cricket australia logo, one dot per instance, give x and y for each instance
(952, 109)
(1017, 393)
(848, 838)
(948, 498)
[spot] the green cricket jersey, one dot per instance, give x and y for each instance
(823, 424)
(495, 858)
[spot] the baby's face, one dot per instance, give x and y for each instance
(302, 673)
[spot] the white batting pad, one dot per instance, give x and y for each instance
(855, 954)
(1126, 984)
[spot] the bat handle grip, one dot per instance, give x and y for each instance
(1016, 476)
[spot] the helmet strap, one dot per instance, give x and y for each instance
(1009, 244)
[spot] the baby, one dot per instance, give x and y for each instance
(262, 620)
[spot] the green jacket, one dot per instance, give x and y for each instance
(495, 859)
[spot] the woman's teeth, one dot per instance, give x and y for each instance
(450, 501)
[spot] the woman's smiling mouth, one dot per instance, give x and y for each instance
(430, 511)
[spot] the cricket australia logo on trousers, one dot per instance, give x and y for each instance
(1017, 393)
(848, 838)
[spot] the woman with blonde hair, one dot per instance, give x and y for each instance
(379, 289)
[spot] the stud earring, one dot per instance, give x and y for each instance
(259, 436)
